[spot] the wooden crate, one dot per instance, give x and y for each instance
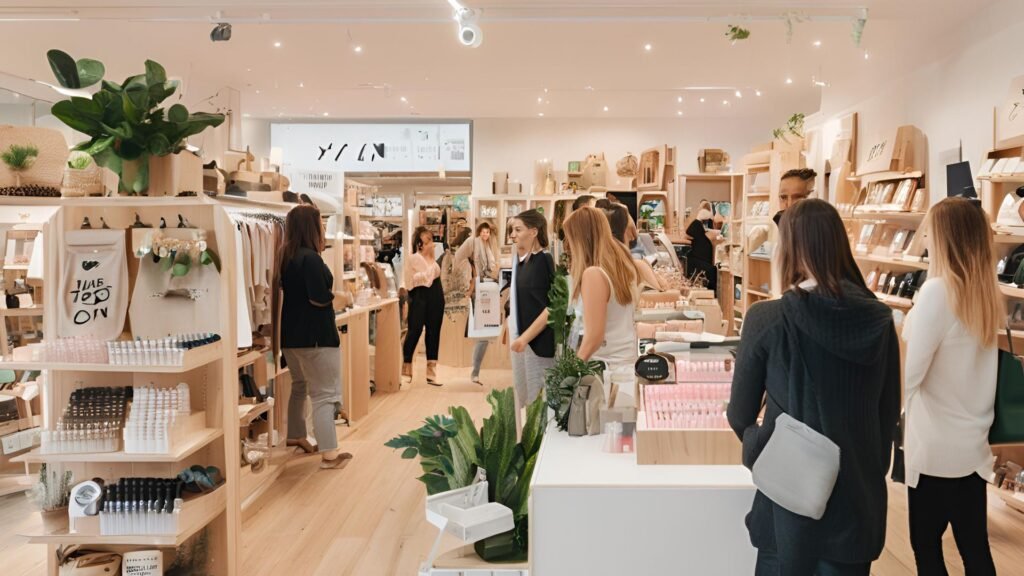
(702, 447)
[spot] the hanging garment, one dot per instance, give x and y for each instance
(94, 288)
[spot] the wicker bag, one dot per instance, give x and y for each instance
(627, 166)
(87, 182)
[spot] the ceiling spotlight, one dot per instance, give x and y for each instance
(327, 114)
(257, 91)
(757, 93)
(302, 84)
(221, 32)
(546, 90)
(739, 94)
(817, 43)
(648, 47)
(789, 80)
(679, 112)
(403, 99)
(725, 102)
(277, 44)
(605, 108)
(357, 49)
(679, 99)
(539, 99)
(866, 55)
(541, 114)
(470, 33)
(701, 100)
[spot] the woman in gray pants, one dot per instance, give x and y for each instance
(477, 251)
(309, 336)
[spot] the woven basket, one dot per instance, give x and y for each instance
(88, 182)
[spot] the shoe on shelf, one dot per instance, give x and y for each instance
(338, 462)
(432, 373)
(304, 444)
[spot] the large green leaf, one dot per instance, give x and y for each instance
(64, 69)
(155, 73)
(97, 146)
(177, 114)
(87, 108)
(499, 441)
(158, 145)
(90, 72)
(66, 112)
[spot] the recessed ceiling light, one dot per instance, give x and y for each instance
(403, 99)
(545, 90)
(588, 88)
(246, 115)
(302, 84)
(725, 102)
(679, 112)
(605, 108)
(257, 91)
(357, 49)
(866, 55)
(679, 99)
(817, 43)
(701, 100)
(757, 93)
(277, 44)
(248, 69)
(648, 47)
(739, 94)
(540, 99)
(541, 114)
(789, 80)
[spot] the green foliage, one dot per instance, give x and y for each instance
(794, 127)
(560, 383)
(125, 122)
(19, 158)
(559, 314)
(53, 489)
(430, 443)
(79, 160)
(737, 33)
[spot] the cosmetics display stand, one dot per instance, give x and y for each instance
(208, 372)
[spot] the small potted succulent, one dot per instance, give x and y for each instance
(52, 494)
(18, 159)
(82, 177)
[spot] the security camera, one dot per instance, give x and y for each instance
(470, 33)
(221, 32)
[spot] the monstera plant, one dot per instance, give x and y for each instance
(125, 122)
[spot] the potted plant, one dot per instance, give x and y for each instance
(794, 127)
(81, 176)
(19, 159)
(451, 450)
(125, 123)
(561, 379)
(51, 494)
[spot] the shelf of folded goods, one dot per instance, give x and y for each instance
(195, 358)
(890, 261)
(196, 514)
(1011, 291)
(189, 445)
(22, 312)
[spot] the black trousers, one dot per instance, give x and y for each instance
(935, 504)
(769, 564)
(426, 311)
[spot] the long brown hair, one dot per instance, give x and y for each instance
(813, 245)
(302, 229)
(417, 238)
(961, 254)
(590, 242)
(535, 220)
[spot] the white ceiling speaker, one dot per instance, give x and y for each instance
(468, 20)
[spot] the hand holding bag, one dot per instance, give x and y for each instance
(799, 466)
(1008, 426)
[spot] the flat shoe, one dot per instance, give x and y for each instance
(340, 461)
(303, 444)
(434, 383)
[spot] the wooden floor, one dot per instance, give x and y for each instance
(367, 519)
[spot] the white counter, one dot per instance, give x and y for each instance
(600, 514)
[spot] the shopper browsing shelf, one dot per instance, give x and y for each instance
(478, 253)
(309, 337)
(952, 359)
(426, 303)
(605, 280)
(533, 341)
(618, 221)
(703, 238)
(827, 355)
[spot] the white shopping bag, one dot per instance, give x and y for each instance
(485, 311)
(94, 288)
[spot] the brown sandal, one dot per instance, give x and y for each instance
(303, 444)
(339, 461)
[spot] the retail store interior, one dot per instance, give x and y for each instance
(160, 278)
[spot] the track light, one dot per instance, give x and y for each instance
(470, 33)
(221, 32)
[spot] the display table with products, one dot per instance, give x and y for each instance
(596, 513)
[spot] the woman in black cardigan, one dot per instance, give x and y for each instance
(849, 359)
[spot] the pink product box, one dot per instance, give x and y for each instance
(704, 371)
(686, 406)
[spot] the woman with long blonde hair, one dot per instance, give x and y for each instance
(950, 380)
(604, 277)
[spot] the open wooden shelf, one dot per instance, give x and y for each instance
(883, 176)
(195, 358)
(254, 412)
(1014, 179)
(884, 215)
(16, 483)
(196, 513)
(188, 446)
(1011, 291)
(890, 261)
(22, 312)
(758, 293)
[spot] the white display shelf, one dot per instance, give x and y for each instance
(189, 445)
(196, 513)
(195, 358)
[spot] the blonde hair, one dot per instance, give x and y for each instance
(590, 242)
(961, 254)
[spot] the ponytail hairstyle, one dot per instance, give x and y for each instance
(535, 221)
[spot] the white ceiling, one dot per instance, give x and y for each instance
(586, 54)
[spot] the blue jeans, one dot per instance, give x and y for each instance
(769, 564)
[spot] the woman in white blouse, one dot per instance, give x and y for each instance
(950, 381)
(480, 255)
(426, 303)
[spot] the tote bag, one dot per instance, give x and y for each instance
(93, 300)
(1008, 426)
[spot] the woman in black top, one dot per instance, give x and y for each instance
(826, 354)
(533, 345)
(309, 336)
(702, 247)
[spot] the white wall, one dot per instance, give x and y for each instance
(951, 98)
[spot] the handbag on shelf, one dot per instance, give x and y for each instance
(1008, 426)
(799, 466)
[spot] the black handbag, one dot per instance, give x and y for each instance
(1008, 426)
(899, 464)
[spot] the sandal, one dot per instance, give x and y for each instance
(303, 444)
(339, 461)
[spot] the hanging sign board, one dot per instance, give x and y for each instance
(381, 147)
